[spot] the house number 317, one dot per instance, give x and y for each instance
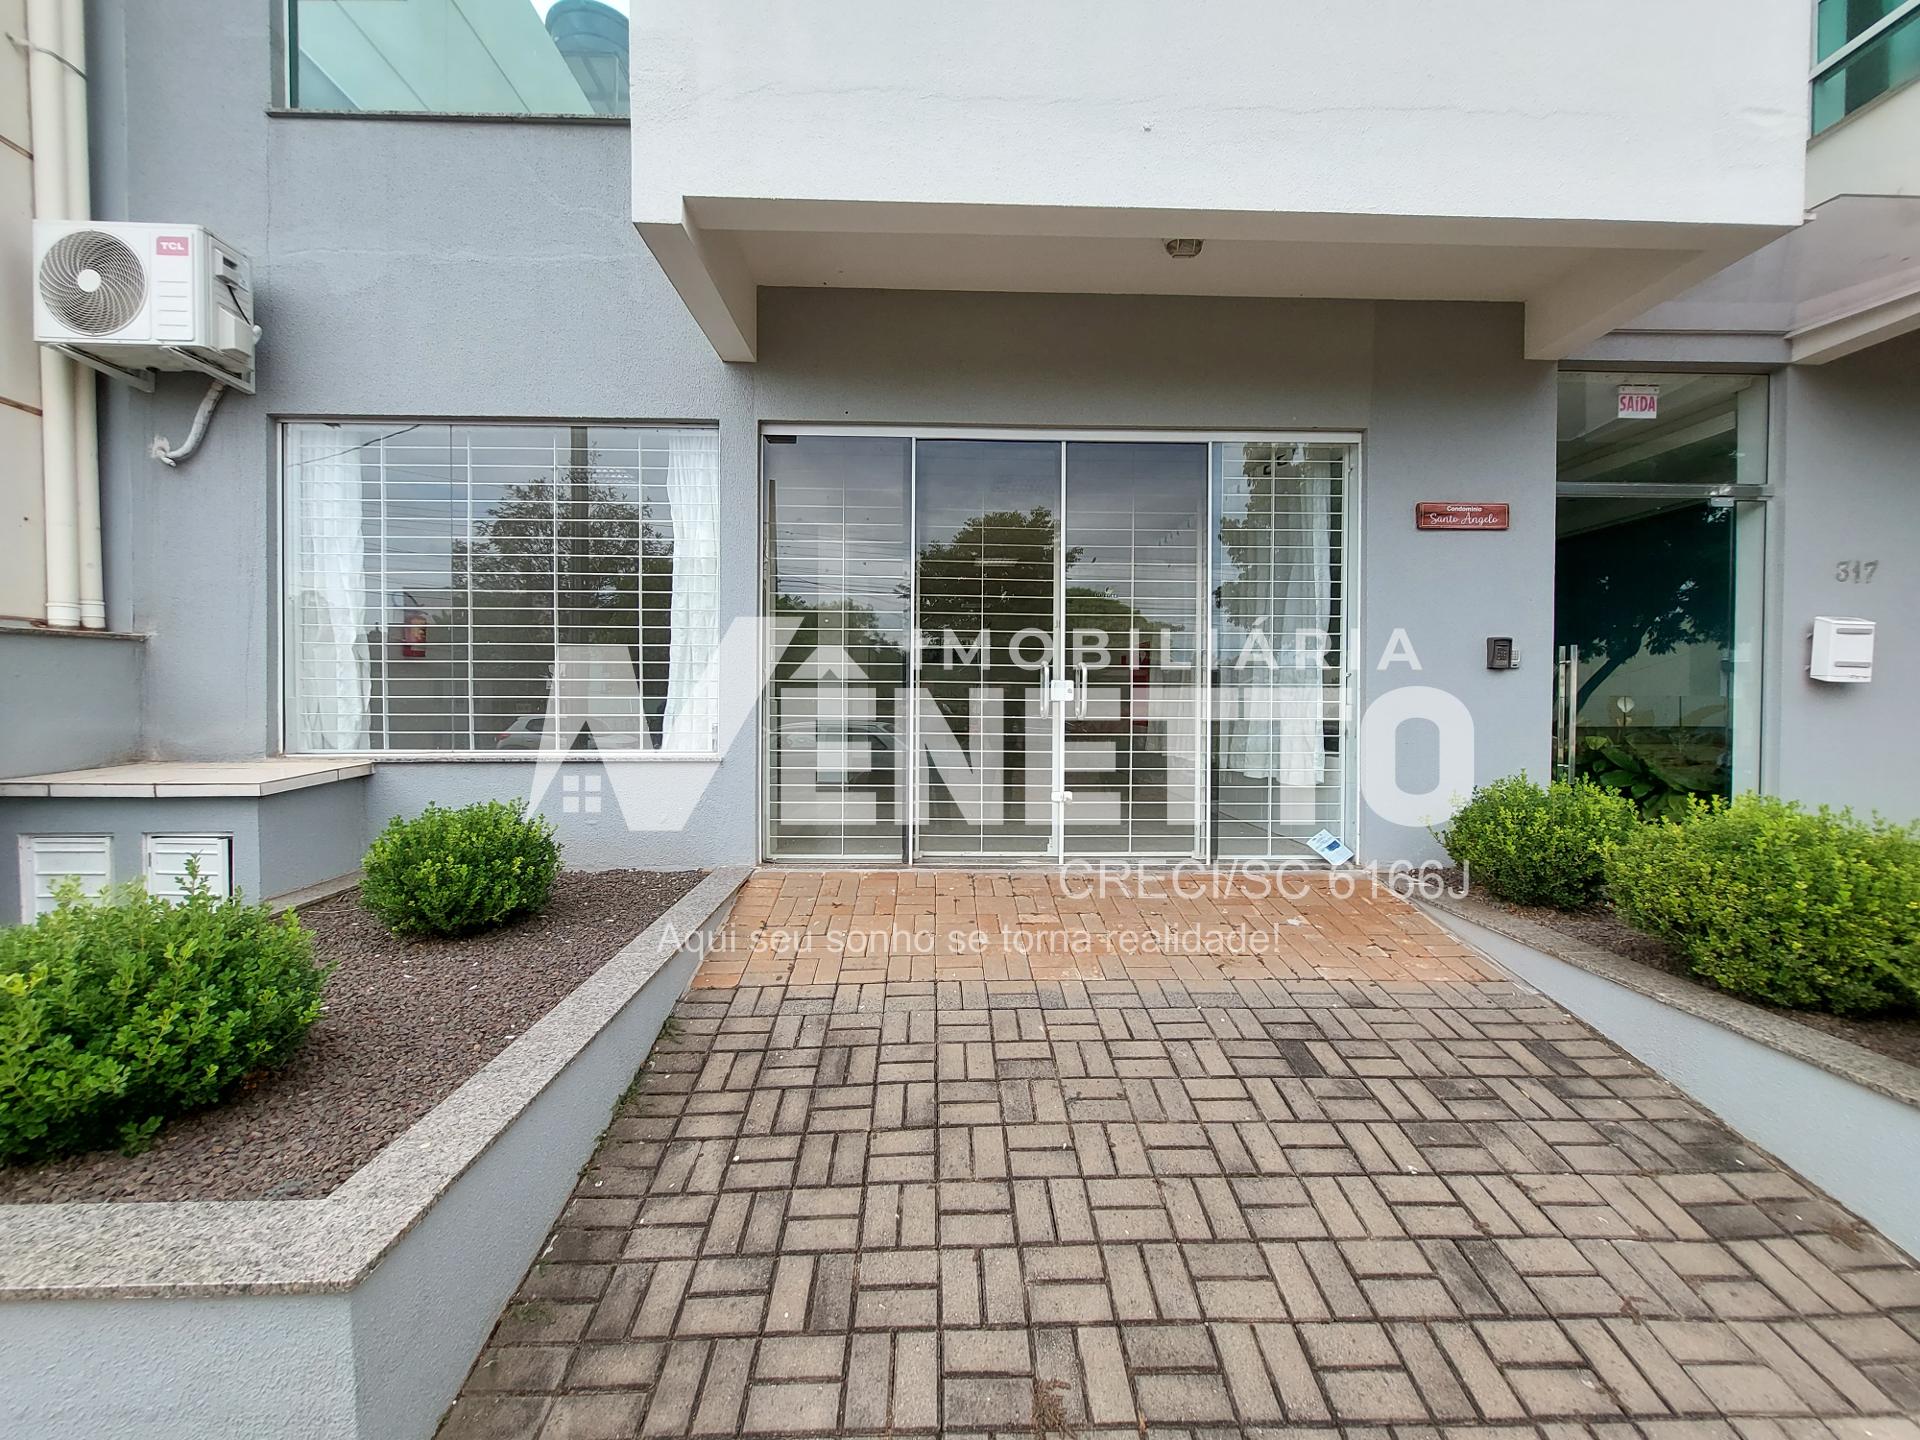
(1855, 572)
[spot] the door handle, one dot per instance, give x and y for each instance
(1054, 692)
(1080, 695)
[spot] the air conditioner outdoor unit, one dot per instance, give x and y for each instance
(129, 299)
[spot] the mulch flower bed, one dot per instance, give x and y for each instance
(406, 1021)
(1897, 1037)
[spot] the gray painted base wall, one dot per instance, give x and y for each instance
(1858, 1145)
(163, 1369)
(281, 843)
(607, 838)
(68, 701)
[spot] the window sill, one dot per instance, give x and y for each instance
(456, 117)
(24, 625)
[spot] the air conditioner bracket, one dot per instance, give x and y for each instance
(233, 380)
(138, 379)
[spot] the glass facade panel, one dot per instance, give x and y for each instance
(1134, 567)
(1657, 603)
(1279, 608)
(1047, 649)
(1699, 429)
(500, 587)
(1886, 62)
(472, 57)
(1840, 20)
(987, 534)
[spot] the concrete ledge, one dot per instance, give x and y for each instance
(310, 894)
(1844, 1117)
(353, 1316)
(183, 779)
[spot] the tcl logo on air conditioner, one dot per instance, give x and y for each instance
(170, 245)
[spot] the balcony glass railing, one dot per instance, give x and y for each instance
(1853, 77)
(459, 57)
(1840, 20)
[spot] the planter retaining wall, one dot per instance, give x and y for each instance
(355, 1316)
(1846, 1118)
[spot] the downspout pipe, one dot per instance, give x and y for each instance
(86, 429)
(47, 114)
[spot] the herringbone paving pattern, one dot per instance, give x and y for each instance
(1361, 1185)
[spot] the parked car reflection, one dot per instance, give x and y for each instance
(529, 732)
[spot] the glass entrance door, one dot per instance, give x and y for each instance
(1040, 649)
(1058, 603)
(1657, 591)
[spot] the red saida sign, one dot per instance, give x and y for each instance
(1460, 515)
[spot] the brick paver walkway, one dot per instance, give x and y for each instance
(1359, 1182)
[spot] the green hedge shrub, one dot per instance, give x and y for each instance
(1809, 909)
(1538, 847)
(118, 1014)
(446, 872)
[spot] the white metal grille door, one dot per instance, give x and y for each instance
(838, 566)
(1132, 648)
(1279, 629)
(987, 527)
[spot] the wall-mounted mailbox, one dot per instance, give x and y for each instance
(1842, 650)
(1500, 653)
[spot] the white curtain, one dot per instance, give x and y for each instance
(693, 495)
(1277, 734)
(331, 669)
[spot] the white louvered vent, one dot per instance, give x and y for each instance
(46, 860)
(166, 864)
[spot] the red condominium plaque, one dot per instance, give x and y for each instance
(1460, 515)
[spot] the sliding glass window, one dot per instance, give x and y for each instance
(500, 588)
(458, 57)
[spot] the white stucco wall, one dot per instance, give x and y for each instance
(1634, 110)
(1876, 152)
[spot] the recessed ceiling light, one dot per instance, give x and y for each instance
(1183, 249)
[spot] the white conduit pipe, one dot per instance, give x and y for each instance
(46, 91)
(86, 430)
